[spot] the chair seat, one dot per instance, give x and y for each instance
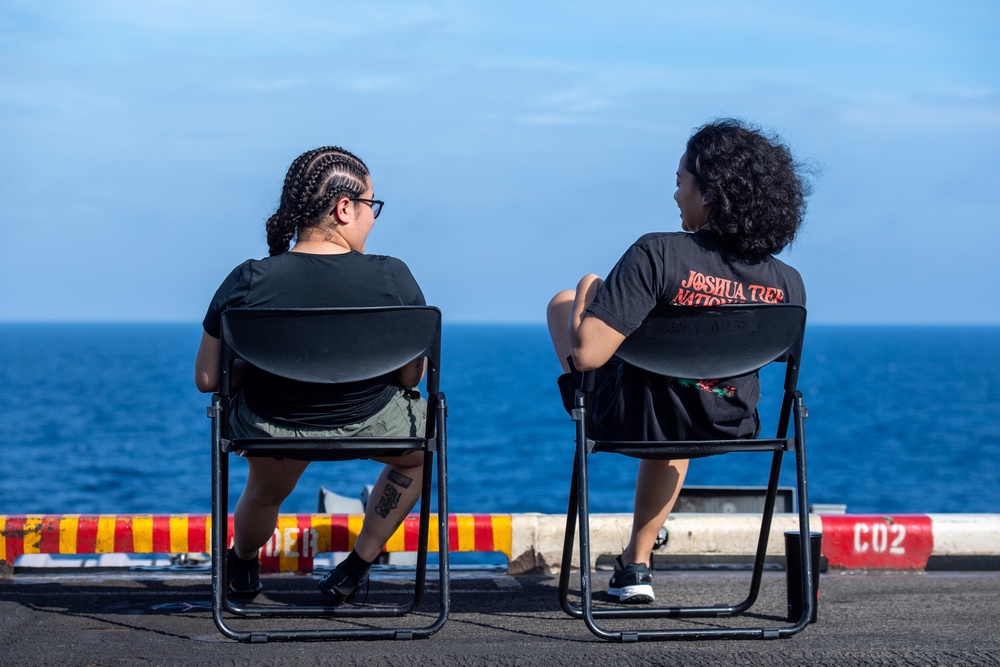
(323, 449)
(666, 450)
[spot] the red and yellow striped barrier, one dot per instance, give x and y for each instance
(296, 540)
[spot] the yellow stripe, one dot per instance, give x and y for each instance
(466, 533)
(288, 543)
(354, 523)
(208, 534)
(321, 524)
(398, 541)
(142, 534)
(32, 534)
(68, 527)
(105, 543)
(179, 534)
(502, 534)
(433, 543)
(3, 540)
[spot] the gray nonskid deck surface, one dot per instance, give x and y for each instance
(864, 619)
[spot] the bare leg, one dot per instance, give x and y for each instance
(658, 482)
(656, 488)
(566, 311)
(558, 314)
(394, 495)
(269, 482)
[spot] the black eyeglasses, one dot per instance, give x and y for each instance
(376, 204)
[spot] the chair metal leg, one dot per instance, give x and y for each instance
(567, 554)
(578, 509)
(805, 543)
(221, 601)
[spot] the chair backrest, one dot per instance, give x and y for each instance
(717, 342)
(332, 345)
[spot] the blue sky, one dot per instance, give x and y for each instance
(518, 145)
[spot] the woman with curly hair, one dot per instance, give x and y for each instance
(741, 200)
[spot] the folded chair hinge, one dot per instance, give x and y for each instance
(577, 414)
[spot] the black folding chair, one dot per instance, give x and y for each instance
(700, 343)
(331, 346)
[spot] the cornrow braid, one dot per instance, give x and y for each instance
(314, 182)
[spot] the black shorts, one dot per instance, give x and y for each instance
(607, 387)
(629, 404)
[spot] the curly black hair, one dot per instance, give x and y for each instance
(315, 180)
(756, 188)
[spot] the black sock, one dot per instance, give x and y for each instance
(245, 560)
(356, 564)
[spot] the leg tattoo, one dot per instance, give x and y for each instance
(399, 479)
(390, 496)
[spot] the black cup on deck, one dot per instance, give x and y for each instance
(793, 573)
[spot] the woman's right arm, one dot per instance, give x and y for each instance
(206, 364)
(593, 340)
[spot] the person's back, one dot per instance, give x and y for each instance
(327, 210)
(741, 201)
(686, 269)
(300, 280)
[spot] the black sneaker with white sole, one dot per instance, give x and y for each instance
(632, 583)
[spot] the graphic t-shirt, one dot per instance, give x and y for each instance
(299, 280)
(678, 268)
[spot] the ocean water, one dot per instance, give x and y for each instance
(104, 418)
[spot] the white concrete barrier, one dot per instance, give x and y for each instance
(890, 542)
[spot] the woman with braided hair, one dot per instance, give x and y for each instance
(317, 259)
(741, 200)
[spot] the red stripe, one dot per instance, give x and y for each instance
(484, 532)
(453, 533)
(161, 534)
(269, 564)
(878, 542)
(338, 532)
(198, 533)
(13, 535)
(86, 534)
(411, 532)
(49, 543)
(123, 535)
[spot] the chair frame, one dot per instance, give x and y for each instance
(370, 342)
(700, 342)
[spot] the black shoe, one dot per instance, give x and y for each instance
(244, 576)
(343, 584)
(632, 583)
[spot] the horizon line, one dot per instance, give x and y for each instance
(471, 322)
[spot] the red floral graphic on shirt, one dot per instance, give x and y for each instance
(711, 386)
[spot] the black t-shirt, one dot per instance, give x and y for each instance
(679, 268)
(298, 280)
